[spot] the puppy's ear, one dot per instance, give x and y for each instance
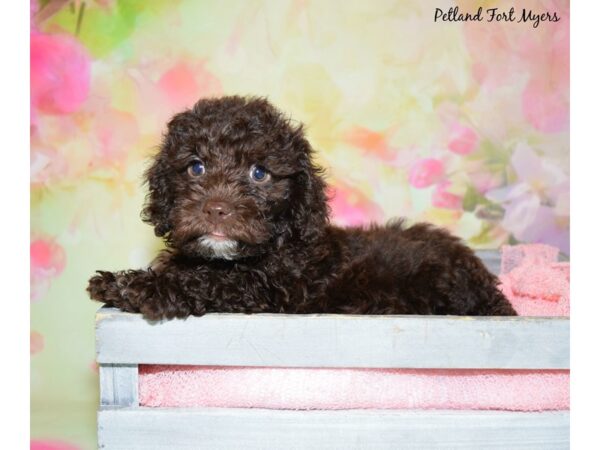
(159, 200)
(310, 212)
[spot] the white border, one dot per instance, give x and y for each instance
(585, 168)
(14, 336)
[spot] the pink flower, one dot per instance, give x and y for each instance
(441, 198)
(36, 342)
(463, 140)
(426, 172)
(47, 444)
(60, 73)
(349, 207)
(116, 133)
(47, 261)
(181, 85)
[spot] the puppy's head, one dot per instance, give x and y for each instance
(234, 178)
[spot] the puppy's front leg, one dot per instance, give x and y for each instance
(156, 296)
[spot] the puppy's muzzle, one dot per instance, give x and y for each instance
(217, 211)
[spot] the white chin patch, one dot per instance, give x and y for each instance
(222, 248)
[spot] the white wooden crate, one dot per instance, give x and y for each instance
(125, 340)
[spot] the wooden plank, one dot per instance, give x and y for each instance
(227, 428)
(492, 260)
(336, 341)
(119, 384)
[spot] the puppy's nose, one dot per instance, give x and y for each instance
(217, 210)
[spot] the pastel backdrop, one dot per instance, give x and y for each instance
(465, 125)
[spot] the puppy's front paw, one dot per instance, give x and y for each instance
(103, 287)
(111, 288)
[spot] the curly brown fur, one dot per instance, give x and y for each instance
(238, 244)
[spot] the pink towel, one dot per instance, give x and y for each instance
(534, 281)
(531, 278)
(292, 388)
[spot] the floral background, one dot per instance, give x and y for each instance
(465, 125)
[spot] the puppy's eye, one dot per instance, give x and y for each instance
(196, 168)
(259, 174)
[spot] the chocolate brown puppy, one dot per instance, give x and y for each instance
(242, 208)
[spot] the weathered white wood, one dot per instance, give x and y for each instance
(492, 260)
(229, 428)
(335, 341)
(119, 384)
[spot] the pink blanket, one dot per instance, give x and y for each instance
(280, 388)
(531, 278)
(534, 281)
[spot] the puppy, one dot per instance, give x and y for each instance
(242, 208)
